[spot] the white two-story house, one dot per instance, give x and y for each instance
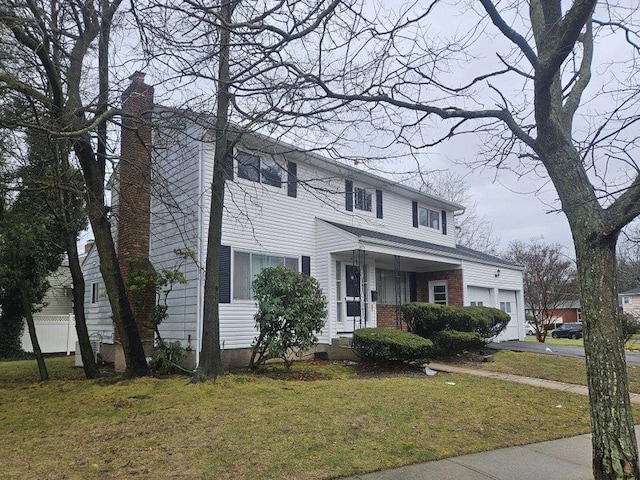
(373, 244)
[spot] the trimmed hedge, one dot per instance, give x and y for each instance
(452, 341)
(390, 345)
(427, 319)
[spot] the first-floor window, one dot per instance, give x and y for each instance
(95, 292)
(438, 292)
(505, 307)
(476, 304)
(247, 266)
(392, 287)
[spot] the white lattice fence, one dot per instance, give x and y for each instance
(56, 334)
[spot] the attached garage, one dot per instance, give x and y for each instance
(508, 302)
(479, 297)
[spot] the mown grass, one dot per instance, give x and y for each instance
(265, 426)
(551, 367)
(556, 341)
(632, 344)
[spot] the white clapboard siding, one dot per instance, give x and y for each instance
(175, 209)
(98, 315)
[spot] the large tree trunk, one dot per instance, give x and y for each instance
(614, 440)
(135, 359)
(37, 351)
(88, 358)
(211, 358)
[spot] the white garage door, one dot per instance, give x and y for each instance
(507, 302)
(479, 296)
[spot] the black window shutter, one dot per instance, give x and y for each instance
(228, 162)
(348, 198)
(292, 179)
(224, 287)
(306, 265)
(444, 222)
(379, 203)
(414, 208)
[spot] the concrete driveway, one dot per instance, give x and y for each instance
(633, 358)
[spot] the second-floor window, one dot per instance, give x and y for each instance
(362, 199)
(429, 218)
(257, 169)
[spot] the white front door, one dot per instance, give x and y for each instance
(353, 297)
(351, 304)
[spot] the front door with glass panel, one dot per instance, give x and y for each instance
(352, 298)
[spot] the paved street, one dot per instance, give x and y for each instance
(633, 358)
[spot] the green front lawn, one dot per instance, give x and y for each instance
(633, 344)
(556, 341)
(551, 367)
(323, 421)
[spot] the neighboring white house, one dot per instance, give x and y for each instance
(630, 301)
(373, 244)
(55, 323)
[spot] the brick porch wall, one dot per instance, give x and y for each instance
(386, 317)
(454, 286)
(386, 314)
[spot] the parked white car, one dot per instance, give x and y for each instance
(529, 329)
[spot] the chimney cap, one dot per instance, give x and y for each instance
(137, 77)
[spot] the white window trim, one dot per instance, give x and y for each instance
(251, 254)
(430, 210)
(437, 283)
(261, 164)
(369, 192)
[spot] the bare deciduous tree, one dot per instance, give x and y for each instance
(472, 230)
(246, 50)
(549, 280)
(54, 42)
(539, 107)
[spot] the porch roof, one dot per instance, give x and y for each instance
(459, 252)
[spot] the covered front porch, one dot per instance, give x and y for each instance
(370, 287)
(369, 275)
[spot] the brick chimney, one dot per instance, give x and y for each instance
(134, 198)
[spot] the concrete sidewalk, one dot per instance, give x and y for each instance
(564, 459)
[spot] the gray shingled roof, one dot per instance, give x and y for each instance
(459, 252)
(633, 291)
